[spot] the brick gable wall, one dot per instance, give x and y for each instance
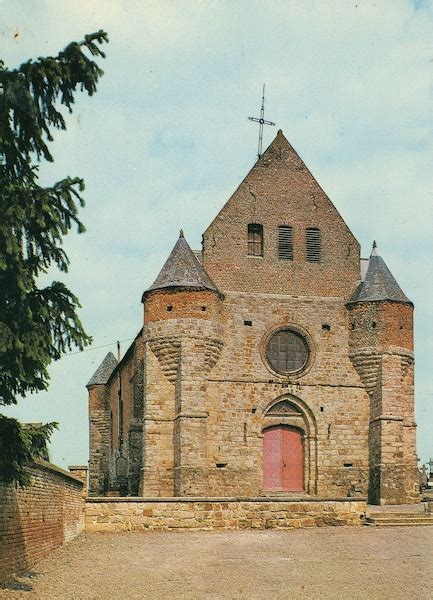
(280, 190)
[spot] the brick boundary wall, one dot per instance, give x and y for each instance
(139, 514)
(38, 518)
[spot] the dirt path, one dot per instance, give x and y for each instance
(327, 563)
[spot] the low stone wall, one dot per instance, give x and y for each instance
(137, 514)
(38, 518)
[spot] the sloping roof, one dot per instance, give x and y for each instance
(183, 270)
(197, 254)
(379, 284)
(364, 267)
(281, 162)
(103, 372)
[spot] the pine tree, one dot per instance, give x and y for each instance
(37, 324)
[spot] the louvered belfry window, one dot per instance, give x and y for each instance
(285, 242)
(255, 239)
(313, 244)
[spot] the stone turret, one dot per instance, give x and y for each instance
(381, 346)
(99, 426)
(182, 332)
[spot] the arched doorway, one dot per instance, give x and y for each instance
(283, 459)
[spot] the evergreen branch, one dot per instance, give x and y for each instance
(20, 444)
(28, 97)
(36, 325)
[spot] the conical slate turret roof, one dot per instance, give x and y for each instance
(182, 270)
(103, 372)
(379, 283)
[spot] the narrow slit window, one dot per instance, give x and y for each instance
(285, 242)
(255, 239)
(313, 244)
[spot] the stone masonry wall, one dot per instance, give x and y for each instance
(122, 433)
(242, 386)
(232, 394)
(139, 514)
(99, 440)
(381, 349)
(157, 475)
(39, 518)
(180, 352)
(135, 431)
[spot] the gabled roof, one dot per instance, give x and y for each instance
(182, 270)
(274, 151)
(379, 283)
(279, 157)
(103, 372)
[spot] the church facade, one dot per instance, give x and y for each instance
(275, 361)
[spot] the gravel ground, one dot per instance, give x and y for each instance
(328, 563)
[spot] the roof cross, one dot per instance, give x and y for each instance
(261, 122)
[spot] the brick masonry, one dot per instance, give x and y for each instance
(196, 390)
(280, 190)
(139, 514)
(39, 518)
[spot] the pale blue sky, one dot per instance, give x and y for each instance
(166, 140)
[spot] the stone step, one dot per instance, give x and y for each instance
(397, 524)
(398, 515)
(418, 519)
(399, 519)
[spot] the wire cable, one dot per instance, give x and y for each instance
(98, 347)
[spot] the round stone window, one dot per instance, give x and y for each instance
(287, 351)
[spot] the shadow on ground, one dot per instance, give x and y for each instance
(19, 583)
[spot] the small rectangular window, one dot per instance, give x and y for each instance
(313, 248)
(255, 239)
(285, 242)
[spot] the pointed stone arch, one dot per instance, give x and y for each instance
(289, 410)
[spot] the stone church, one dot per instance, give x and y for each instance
(274, 361)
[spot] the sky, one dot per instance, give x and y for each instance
(166, 141)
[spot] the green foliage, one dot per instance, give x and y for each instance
(37, 324)
(29, 97)
(19, 445)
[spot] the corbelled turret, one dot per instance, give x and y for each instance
(184, 296)
(381, 350)
(182, 331)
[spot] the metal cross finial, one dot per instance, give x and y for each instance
(262, 122)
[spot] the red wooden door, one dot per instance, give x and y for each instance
(283, 459)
